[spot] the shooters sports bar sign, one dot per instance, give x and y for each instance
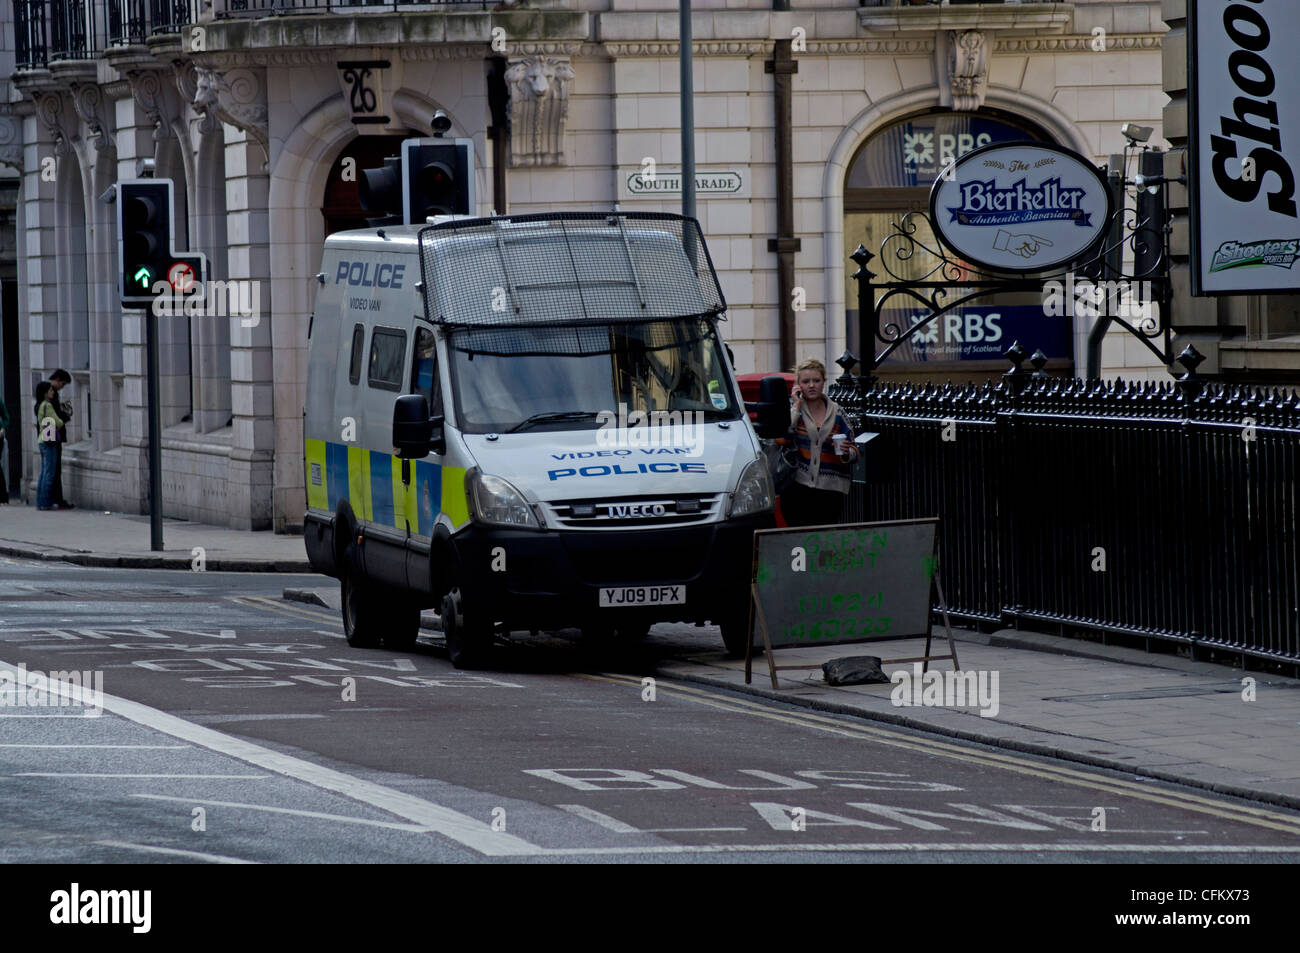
(1244, 143)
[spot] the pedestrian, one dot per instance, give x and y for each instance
(59, 380)
(48, 427)
(4, 426)
(820, 431)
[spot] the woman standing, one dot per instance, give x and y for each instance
(49, 430)
(821, 432)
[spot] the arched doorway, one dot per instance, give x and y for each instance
(342, 206)
(890, 175)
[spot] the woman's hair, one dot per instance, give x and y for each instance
(810, 364)
(42, 389)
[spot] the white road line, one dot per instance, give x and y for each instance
(286, 810)
(604, 820)
(87, 714)
(618, 827)
(131, 747)
(461, 828)
(197, 855)
(192, 777)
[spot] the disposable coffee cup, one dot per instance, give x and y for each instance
(838, 440)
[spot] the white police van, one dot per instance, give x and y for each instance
(531, 423)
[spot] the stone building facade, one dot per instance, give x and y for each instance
(260, 118)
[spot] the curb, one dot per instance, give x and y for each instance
(126, 561)
(308, 596)
(429, 621)
(1024, 747)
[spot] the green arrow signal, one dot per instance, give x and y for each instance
(142, 276)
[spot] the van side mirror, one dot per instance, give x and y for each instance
(773, 408)
(415, 433)
(412, 428)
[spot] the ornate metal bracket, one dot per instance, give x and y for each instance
(949, 284)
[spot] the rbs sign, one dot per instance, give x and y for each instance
(1245, 125)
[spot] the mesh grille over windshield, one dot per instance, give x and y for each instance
(568, 269)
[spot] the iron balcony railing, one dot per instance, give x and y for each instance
(269, 8)
(1159, 511)
(52, 30)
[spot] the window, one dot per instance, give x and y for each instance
(358, 342)
(424, 373)
(387, 354)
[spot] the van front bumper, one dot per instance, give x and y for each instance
(553, 579)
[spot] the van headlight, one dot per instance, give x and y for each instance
(494, 500)
(754, 491)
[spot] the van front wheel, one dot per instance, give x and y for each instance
(469, 638)
(735, 635)
(362, 625)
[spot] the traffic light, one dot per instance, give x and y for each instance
(144, 235)
(433, 177)
(438, 178)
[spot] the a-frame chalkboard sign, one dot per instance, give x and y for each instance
(842, 584)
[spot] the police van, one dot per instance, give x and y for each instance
(529, 422)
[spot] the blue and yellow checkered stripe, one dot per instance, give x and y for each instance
(371, 481)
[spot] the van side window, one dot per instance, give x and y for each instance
(358, 343)
(424, 373)
(387, 354)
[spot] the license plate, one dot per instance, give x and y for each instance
(643, 596)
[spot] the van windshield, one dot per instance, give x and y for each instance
(547, 378)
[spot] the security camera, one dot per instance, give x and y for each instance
(1135, 133)
(441, 123)
(145, 168)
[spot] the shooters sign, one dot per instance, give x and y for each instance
(1021, 207)
(1244, 143)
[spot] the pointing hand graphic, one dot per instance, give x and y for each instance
(1026, 246)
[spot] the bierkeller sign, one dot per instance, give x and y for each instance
(1021, 207)
(1244, 144)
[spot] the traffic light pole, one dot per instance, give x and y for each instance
(155, 432)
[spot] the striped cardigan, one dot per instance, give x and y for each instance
(825, 471)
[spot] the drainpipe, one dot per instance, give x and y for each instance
(782, 67)
(498, 102)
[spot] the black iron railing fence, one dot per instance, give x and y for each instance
(1165, 511)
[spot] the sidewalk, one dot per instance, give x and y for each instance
(1157, 716)
(96, 538)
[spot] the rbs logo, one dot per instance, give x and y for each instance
(965, 328)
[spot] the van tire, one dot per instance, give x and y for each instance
(469, 637)
(734, 633)
(362, 622)
(402, 630)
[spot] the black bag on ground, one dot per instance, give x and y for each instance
(854, 670)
